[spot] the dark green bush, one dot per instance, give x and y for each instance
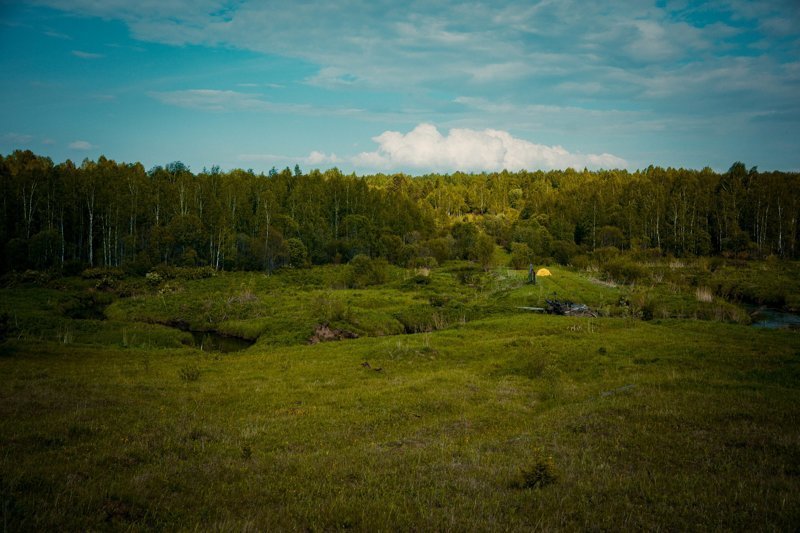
(103, 272)
(521, 255)
(623, 270)
(86, 305)
(5, 325)
(363, 272)
(189, 373)
(541, 473)
(468, 274)
(166, 272)
(604, 255)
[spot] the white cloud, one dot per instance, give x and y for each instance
(81, 145)
(87, 55)
(471, 150)
(425, 149)
(320, 158)
(315, 158)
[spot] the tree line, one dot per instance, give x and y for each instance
(103, 213)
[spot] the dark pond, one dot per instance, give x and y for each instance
(211, 341)
(764, 317)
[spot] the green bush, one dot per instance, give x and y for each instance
(363, 272)
(541, 473)
(580, 262)
(468, 274)
(421, 318)
(189, 373)
(605, 255)
(623, 270)
(298, 253)
(5, 325)
(422, 262)
(521, 255)
(165, 272)
(100, 273)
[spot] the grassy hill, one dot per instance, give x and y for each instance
(454, 410)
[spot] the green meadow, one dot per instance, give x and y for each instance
(454, 409)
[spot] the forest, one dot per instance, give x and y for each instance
(315, 351)
(67, 217)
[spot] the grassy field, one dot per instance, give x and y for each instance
(454, 410)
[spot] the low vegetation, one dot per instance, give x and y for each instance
(454, 409)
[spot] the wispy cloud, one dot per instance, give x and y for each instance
(87, 55)
(314, 158)
(19, 139)
(81, 145)
(567, 72)
(58, 35)
(225, 100)
(481, 43)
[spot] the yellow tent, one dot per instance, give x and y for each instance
(543, 272)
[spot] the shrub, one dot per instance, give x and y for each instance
(153, 278)
(189, 373)
(420, 319)
(329, 309)
(423, 262)
(521, 255)
(165, 272)
(541, 473)
(87, 305)
(580, 262)
(5, 325)
(643, 305)
(441, 248)
(298, 253)
(72, 267)
(35, 277)
(563, 251)
(624, 271)
(363, 272)
(605, 255)
(100, 273)
(704, 294)
(468, 275)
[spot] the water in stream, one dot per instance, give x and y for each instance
(211, 341)
(765, 317)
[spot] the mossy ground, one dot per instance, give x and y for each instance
(673, 423)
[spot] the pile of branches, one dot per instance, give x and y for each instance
(324, 333)
(567, 308)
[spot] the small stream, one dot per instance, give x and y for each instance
(211, 341)
(765, 317)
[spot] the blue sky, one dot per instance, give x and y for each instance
(404, 86)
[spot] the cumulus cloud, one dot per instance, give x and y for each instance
(471, 150)
(320, 158)
(81, 145)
